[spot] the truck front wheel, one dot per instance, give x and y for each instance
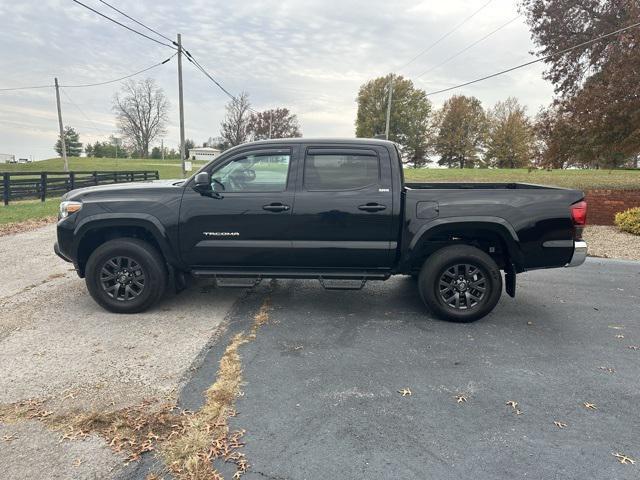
(460, 283)
(126, 275)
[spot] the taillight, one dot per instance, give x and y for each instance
(579, 217)
(579, 213)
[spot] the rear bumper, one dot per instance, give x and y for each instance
(579, 254)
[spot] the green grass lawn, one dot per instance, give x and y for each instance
(17, 212)
(579, 179)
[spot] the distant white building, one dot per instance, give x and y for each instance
(7, 158)
(203, 153)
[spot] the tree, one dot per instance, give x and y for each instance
(409, 116)
(511, 138)
(156, 153)
(234, 129)
(274, 123)
(141, 110)
(597, 84)
(72, 143)
(188, 145)
(461, 126)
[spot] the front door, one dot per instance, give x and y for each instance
(248, 225)
(343, 212)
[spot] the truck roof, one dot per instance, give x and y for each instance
(357, 141)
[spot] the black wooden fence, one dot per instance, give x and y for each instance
(25, 185)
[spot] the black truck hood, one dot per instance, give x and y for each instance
(119, 188)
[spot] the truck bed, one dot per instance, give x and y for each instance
(476, 186)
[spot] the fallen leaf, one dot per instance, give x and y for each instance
(529, 323)
(624, 459)
(10, 436)
(518, 412)
(633, 347)
(559, 424)
(77, 463)
(620, 336)
(607, 369)
(513, 404)
(460, 398)
(405, 392)
(590, 406)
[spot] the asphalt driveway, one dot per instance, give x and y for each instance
(322, 398)
(322, 376)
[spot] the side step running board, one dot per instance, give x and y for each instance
(335, 284)
(237, 282)
(325, 275)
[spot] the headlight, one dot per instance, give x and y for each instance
(67, 208)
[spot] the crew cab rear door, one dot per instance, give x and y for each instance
(248, 224)
(342, 216)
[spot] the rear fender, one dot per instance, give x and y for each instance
(444, 227)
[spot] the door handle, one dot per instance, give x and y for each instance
(372, 207)
(276, 207)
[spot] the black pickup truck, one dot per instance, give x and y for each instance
(334, 210)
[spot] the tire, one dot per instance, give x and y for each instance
(137, 264)
(478, 271)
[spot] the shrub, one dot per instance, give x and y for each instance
(629, 220)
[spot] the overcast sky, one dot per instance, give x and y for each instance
(310, 56)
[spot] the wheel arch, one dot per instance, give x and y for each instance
(93, 231)
(481, 232)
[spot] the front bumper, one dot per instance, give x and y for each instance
(56, 249)
(579, 254)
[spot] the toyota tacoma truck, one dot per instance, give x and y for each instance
(338, 211)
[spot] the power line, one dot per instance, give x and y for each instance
(95, 126)
(121, 78)
(453, 30)
(24, 88)
(136, 21)
(123, 25)
(210, 77)
(541, 59)
(186, 52)
(93, 84)
(482, 39)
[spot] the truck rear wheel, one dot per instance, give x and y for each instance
(460, 283)
(126, 275)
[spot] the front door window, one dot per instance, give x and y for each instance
(253, 173)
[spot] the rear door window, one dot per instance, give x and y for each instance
(337, 171)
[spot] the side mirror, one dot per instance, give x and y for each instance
(202, 182)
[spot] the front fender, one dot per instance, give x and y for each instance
(115, 220)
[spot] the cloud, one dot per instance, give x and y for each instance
(310, 56)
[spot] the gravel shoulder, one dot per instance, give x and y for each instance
(57, 344)
(609, 242)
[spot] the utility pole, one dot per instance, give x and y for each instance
(386, 130)
(182, 150)
(270, 120)
(63, 142)
(162, 147)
